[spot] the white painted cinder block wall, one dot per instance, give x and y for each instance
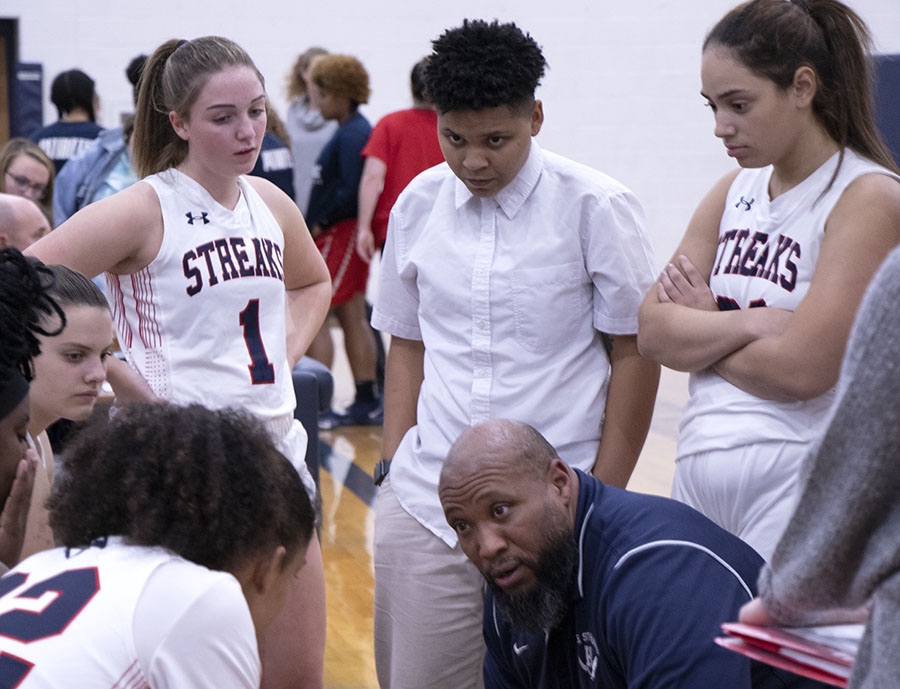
(621, 93)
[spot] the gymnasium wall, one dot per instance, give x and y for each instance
(621, 93)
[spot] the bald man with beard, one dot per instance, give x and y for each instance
(590, 585)
(21, 222)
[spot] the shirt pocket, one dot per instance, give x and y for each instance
(548, 305)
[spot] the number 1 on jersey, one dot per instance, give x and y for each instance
(261, 370)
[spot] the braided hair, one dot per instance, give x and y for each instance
(26, 308)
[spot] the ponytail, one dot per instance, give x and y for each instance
(844, 103)
(27, 308)
(156, 145)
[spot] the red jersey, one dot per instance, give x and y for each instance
(406, 141)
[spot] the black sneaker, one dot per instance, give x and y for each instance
(364, 414)
(329, 420)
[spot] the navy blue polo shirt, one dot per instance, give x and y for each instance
(655, 580)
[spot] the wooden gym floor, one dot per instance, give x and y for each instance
(348, 458)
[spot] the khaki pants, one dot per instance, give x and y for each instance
(428, 605)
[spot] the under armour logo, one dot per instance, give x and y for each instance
(519, 650)
(746, 204)
(191, 218)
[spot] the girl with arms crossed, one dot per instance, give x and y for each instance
(758, 301)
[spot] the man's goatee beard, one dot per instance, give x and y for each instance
(544, 606)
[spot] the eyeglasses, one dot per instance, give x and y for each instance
(26, 184)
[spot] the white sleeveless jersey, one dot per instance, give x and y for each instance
(67, 619)
(205, 320)
(766, 257)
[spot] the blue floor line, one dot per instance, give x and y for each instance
(358, 481)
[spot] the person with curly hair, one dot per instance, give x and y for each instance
(168, 580)
(26, 304)
(510, 286)
(341, 84)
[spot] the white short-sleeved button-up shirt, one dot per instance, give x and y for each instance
(509, 295)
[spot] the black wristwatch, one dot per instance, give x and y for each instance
(381, 470)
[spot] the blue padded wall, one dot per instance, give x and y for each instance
(887, 99)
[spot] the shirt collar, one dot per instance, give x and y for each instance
(513, 196)
(586, 497)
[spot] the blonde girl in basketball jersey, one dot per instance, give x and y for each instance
(758, 300)
(215, 283)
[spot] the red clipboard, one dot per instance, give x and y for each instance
(783, 649)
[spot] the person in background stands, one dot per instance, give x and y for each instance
(104, 167)
(307, 129)
(402, 144)
(340, 84)
(275, 162)
(72, 92)
(25, 170)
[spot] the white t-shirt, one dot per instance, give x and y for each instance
(509, 295)
(127, 617)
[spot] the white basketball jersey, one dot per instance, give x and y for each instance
(766, 257)
(205, 320)
(67, 619)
